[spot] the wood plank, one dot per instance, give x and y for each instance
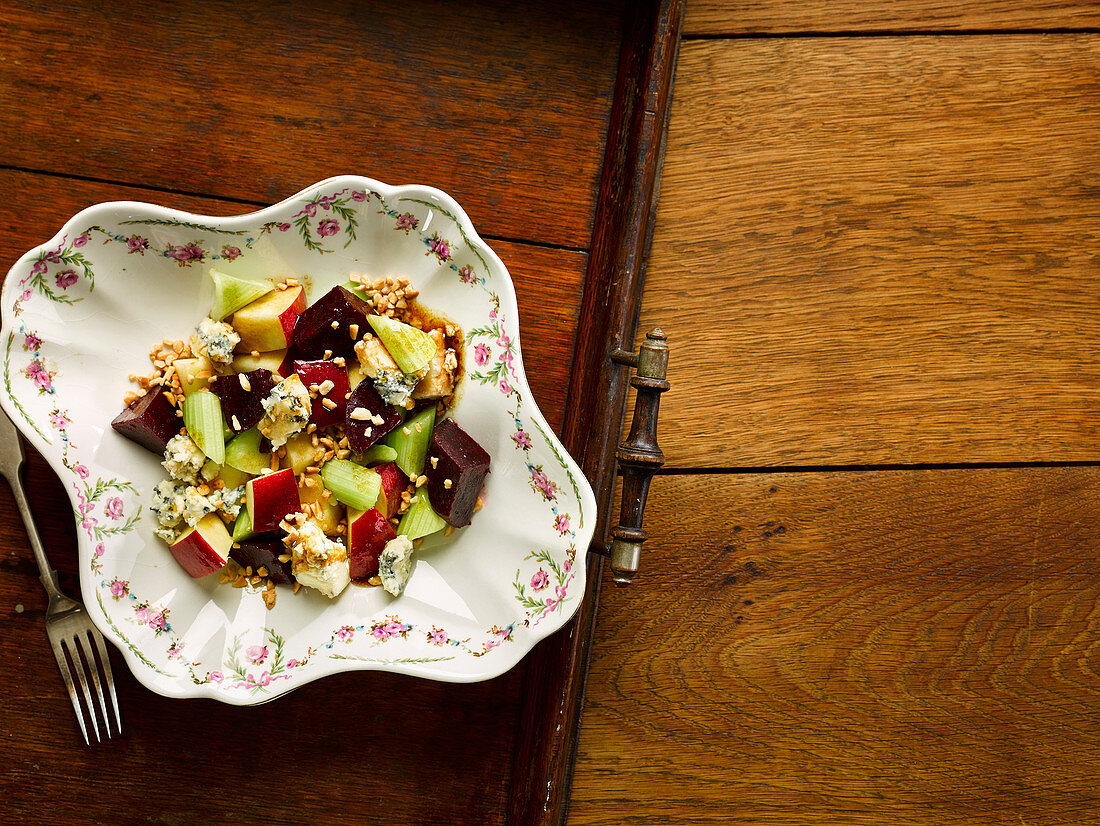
(880, 251)
(548, 280)
(903, 647)
(732, 17)
(505, 112)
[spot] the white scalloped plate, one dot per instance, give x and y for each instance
(81, 313)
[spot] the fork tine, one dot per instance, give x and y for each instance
(83, 642)
(80, 668)
(59, 654)
(108, 677)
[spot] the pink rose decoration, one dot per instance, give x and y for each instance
(114, 507)
(256, 654)
(328, 227)
(481, 355)
(540, 580)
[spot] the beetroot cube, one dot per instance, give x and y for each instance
(362, 433)
(456, 480)
(315, 374)
(263, 553)
(246, 405)
(151, 421)
(325, 324)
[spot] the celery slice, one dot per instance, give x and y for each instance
(412, 446)
(243, 453)
(411, 348)
(242, 528)
(202, 416)
(379, 454)
(356, 486)
(420, 519)
(232, 293)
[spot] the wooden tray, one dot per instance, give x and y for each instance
(547, 130)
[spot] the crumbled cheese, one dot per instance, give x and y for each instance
(217, 339)
(195, 506)
(229, 500)
(286, 410)
(395, 564)
(317, 561)
(392, 385)
(169, 535)
(182, 459)
(167, 503)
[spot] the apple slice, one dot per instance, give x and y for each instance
(151, 421)
(331, 511)
(232, 293)
(271, 499)
(331, 382)
(195, 373)
(276, 361)
(368, 533)
(327, 324)
(393, 485)
(268, 323)
(203, 549)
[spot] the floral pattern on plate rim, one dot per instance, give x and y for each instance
(58, 274)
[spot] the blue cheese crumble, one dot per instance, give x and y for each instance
(395, 565)
(392, 385)
(286, 410)
(182, 459)
(229, 500)
(167, 503)
(216, 339)
(316, 561)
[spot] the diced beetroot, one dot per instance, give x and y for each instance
(315, 374)
(463, 463)
(362, 433)
(314, 332)
(151, 421)
(368, 533)
(245, 405)
(263, 553)
(393, 484)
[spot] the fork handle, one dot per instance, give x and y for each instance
(47, 575)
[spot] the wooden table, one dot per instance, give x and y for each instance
(873, 591)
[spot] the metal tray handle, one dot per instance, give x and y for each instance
(639, 455)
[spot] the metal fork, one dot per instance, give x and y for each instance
(67, 622)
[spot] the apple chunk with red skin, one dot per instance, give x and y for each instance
(393, 485)
(368, 533)
(268, 323)
(203, 549)
(271, 499)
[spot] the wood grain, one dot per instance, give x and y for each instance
(880, 251)
(554, 687)
(903, 647)
(732, 17)
(547, 280)
(255, 100)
